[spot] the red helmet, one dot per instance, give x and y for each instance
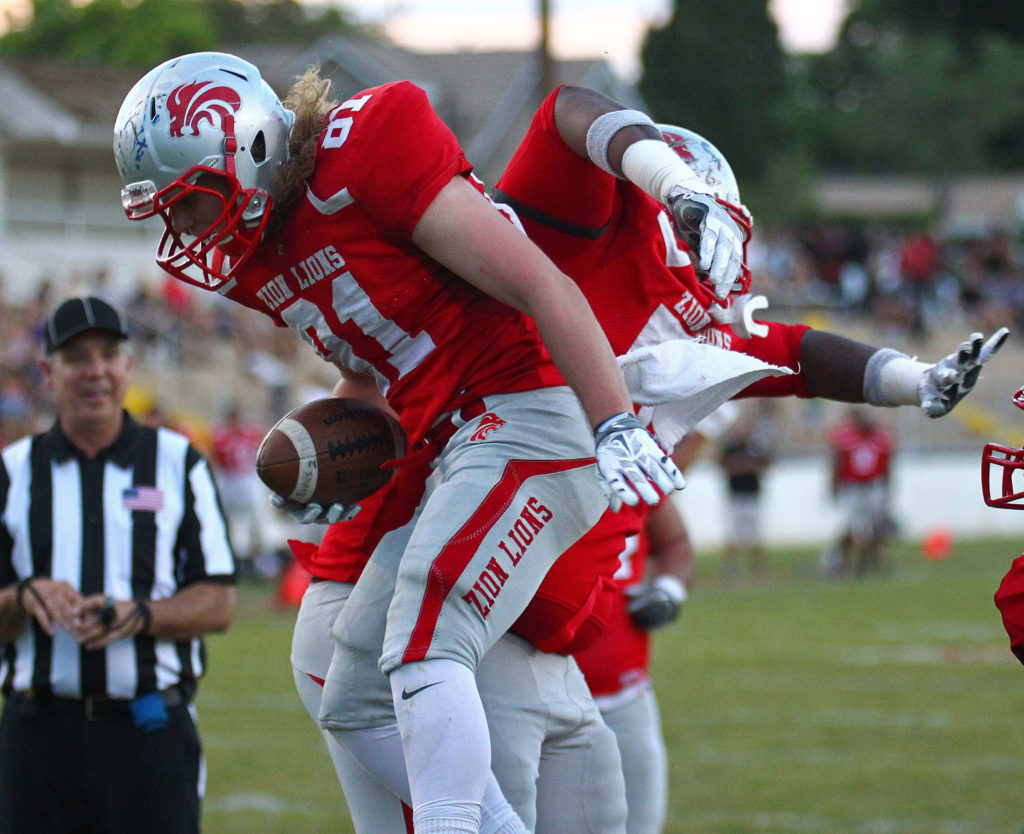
(708, 163)
(1002, 471)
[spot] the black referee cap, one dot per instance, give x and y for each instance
(76, 315)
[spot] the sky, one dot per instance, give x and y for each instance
(579, 28)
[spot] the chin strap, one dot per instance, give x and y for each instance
(740, 315)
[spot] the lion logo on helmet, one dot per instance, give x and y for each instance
(201, 101)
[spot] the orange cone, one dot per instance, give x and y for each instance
(937, 544)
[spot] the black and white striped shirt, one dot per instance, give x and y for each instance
(140, 520)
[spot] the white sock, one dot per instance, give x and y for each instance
(446, 741)
(379, 752)
(447, 825)
(497, 816)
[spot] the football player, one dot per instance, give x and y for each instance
(553, 757)
(656, 566)
(1002, 484)
(652, 581)
(369, 239)
(614, 199)
(625, 251)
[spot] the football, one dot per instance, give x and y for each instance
(330, 451)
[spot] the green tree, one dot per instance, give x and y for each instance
(966, 22)
(888, 100)
(144, 32)
(718, 69)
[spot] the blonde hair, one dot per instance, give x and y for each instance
(309, 98)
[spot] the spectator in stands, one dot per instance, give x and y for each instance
(920, 262)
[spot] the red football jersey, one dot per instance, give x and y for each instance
(643, 290)
(622, 656)
(234, 445)
(345, 548)
(642, 286)
(861, 454)
(603, 232)
(1010, 602)
(343, 273)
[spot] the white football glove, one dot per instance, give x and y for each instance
(655, 604)
(629, 459)
(951, 379)
(314, 513)
(709, 231)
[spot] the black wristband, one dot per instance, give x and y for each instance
(19, 590)
(19, 594)
(142, 610)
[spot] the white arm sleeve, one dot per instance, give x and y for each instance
(892, 378)
(653, 166)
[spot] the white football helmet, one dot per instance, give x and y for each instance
(708, 163)
(204, 113)
(1002, 471)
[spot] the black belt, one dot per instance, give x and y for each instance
(93, 707)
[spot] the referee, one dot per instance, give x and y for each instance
(114, 561)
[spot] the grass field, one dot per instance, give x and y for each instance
(888, 704)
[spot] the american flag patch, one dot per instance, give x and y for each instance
(142, 498)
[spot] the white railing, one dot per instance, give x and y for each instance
(28, 216)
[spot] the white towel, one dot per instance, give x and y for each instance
(680, 382)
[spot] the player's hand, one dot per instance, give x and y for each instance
(712, 234)
(314, 513)
(655, 604)
(629, 459)
(951, 379)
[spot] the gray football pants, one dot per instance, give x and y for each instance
(555, 760)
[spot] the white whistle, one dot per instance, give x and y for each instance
(740, 315)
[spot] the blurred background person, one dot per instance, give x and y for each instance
(234, 441)
(862, 450)
(920, 262)
(745, 454)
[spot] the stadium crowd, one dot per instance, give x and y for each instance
(896, 282)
